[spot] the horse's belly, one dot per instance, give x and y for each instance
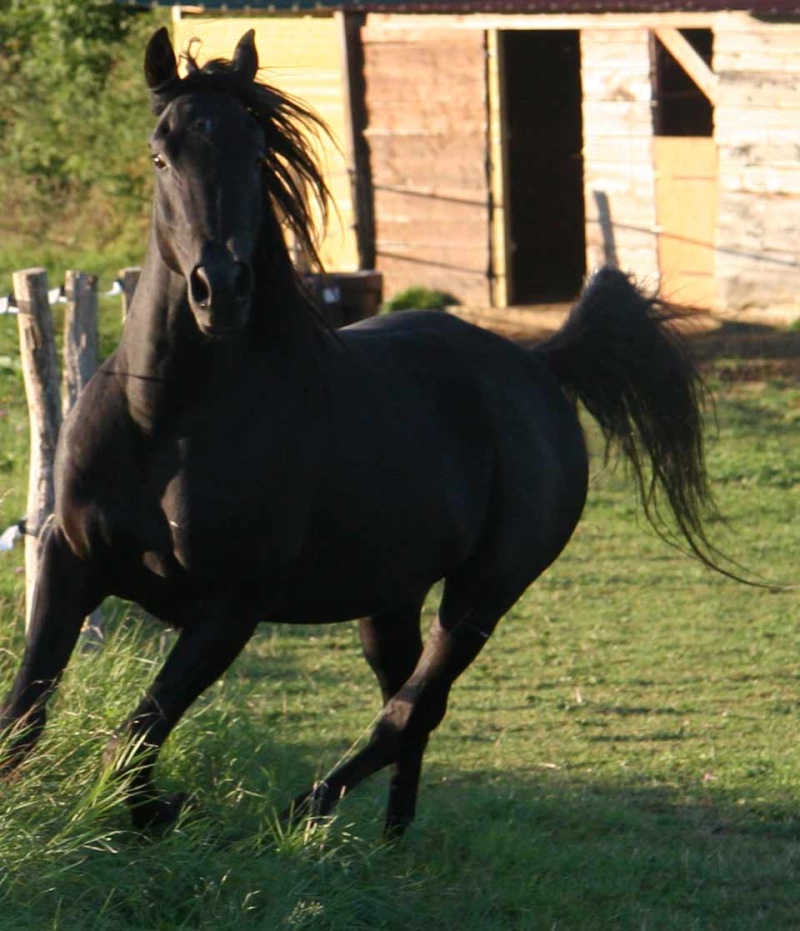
(350, 569)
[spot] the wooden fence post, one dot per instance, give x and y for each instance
(129, 278)
(80, 336)
(40, 373)
(81, 352)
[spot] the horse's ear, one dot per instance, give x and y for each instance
(160, 65)
(245, 56)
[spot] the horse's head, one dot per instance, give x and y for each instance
(208, 153)
(224, 148)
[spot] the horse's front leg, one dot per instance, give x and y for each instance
(66, 591)
(203, 651)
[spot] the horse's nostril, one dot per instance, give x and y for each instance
(200, 286)
(220, 285)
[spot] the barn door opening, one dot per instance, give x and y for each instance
(546, 255)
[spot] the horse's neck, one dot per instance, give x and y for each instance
(161, 358)
(166, 365)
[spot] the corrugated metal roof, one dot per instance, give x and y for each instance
(780, 8)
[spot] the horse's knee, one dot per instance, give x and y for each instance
(408, 719)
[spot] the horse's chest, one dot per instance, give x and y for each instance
(231, 512)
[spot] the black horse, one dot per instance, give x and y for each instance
(235, 461)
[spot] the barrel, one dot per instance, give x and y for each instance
(347, 297)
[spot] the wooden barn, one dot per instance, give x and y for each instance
(499, 149)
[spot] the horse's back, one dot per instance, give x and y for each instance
(510, 383)
(505, 398)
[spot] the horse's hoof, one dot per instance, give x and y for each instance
(156, 814)
(297, 812)
(395, 829)
(310, 808)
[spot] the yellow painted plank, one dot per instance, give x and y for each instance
(686, 201)
(302, 56)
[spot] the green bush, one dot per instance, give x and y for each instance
(74, 119)
(421, 298)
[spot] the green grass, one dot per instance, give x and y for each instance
(623, 755)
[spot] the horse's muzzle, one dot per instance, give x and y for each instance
(220, 292)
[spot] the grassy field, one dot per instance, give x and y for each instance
(623, 755)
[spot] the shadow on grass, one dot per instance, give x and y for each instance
(511, 848)
(746, 341)
(492, 849)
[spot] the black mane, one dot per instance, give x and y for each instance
(292, 174)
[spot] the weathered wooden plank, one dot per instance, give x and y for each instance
(753, 60)
(442, 200)
(626, 209)
(768, 179)
(466, 255)
(616, 118)
(41, 377)
(627, 193)
(759, 224)
(757, 281)
(80, 336)
(620, 178)
(743, 133)
(407, 116)
(746, 23)
(639, 262)
(427, 131)
(763, 38)
(617, 148)
(404, 237)
(603, 38)
(383, 84)
(428, 229)
(606, 22)
(608, 49)
(729, 121)
(444, 170)
(81, 353)
(635, 151)
(767, 89)
(775, 220)
(779, 155)
(634, 169)
(623, 83)
(632, 237)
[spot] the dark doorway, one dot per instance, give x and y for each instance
(544, 165)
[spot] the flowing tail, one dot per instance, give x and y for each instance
(616, 354)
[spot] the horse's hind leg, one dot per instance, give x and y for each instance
(392, 645)
(416, 708)
(66, 591)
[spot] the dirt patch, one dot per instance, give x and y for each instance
(733, 350)
(748, 352)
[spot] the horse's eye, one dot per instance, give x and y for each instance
(159, 162)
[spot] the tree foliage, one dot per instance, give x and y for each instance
(74, 118)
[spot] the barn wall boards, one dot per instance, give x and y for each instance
(501, 156)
